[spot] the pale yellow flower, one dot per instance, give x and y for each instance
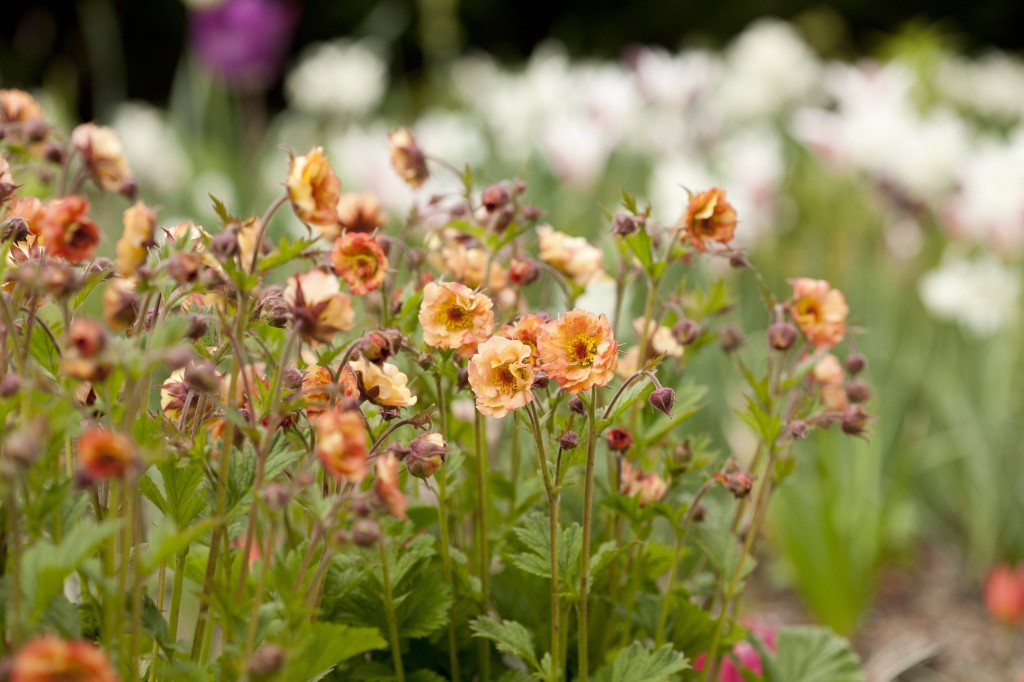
(319, 307)
(132, 248)
(104, 156)
(314, 189)
(819, 311)
(574, 257)
(501, 376)
(383, 384)
(453, 316)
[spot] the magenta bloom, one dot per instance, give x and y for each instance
(244, 41)
(745, 654)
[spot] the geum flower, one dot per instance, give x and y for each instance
(574, 257)
(360, 260)
(319, 308)
(453, 316)
(407, 158)
(526, 329)
(501, 376)
(385, 485)
(709, 217)
(139, 223)
(51, 659)
(314, 189)
(645, 487)
(578, 350)
(341, 444)
(105, 454)
(317, 390)
(68, 232)
(383, 384)
(104, 156)
(819, 311)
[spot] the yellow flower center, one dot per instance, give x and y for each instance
(807, 310)
(582, 350)
(456, 318)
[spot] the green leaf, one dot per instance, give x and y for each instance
(640, 244)
(326, 645)
(166, 541)
(221, 210)
(286, 252)
(812, 654)
(510, 637)
(636, 663)
(154, 625)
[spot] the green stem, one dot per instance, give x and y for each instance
(14, 569)
(261, 583)
(389, 603)
(176, 591)
(161, 586)
(485, 554)
(446, 555)
(588, 509)
(553, 504)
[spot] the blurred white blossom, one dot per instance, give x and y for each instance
(338, 78)
(152, 148)
(980, 294)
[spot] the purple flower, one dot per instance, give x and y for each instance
(244, 41)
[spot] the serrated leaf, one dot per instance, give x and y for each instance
(326, 645)
(812, 654)
(509, 637)
(221, 210)
(636, 663)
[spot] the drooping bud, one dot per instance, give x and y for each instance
(858, 391)
(568, 440)
(735, 480)
(855, 420)
(266, 662)
(523, 272)
(619, 439)
(855, 364)
(663, 400)
(625, 224)
(686, 331)
(407, 158)
(495, 197)
(781, 336)
(731, 338)
(426, 455)
(576, 405)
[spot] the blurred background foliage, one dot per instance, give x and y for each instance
(879, 145)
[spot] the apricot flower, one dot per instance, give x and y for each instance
(51, 659)
(645, 487)
(574, 257)
(501, 376)
(383, 384)
(385, 485)
(359, 260)
(105, 454)
(104, 156)
(314, 189)
(578, 350)
(318, 306)
(67, 230)
(139, 221)
(819, 311)
(454, 316)
(709, 217)
(341, 444)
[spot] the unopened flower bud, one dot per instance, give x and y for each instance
(266, 662)
(365, 532)
(540, 380)
(197, 327)
(619, 439)
(14, 229)
(292, 378)
(855, 364)
(731, 338)
(425, 360)
(202, 378)
(576, 405)
(183, 267)
(129, 190)
(377, 347)
(176, 358)
(9, 385)
(855, 420)
(781, 336)
(54, 153)
(662, 400)
(388, 412)
(495, 197)
(686, 331)
(275, 496)
(426, 455)
(407, 158)
(858, 391)
(59, 279)
(625, 224)
(700, 512)
(532, 213)
(224, 246)
(798, 429)
(463, 378)
(568, 440)
(274, 309)
(523, 272)
(738, 260)
(735, 480)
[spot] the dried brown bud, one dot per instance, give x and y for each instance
(183, 267)
(731, 338)
(523, 272)
(781, 336)
(855, 364)
(858, 391)
(619, 439)
(686, 331)
(625, 224)
(495, 197)
(568, 440)
(14, 229)
(365, 532)
(855, 420)
(540, 380)
(662, 400)
(197, 327)
(266, 662)
(576, 405)
(54, 154)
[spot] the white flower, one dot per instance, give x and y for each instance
(982, 295)
(152, 148)
(451, 135)
(338, 78)
(989, 86)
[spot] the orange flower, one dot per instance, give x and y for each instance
(501, 376)
(67, 231)
(341, 443)
(50, 659)
(359, 260)
(574, 257)
(383, 384)
(646, 488)
(104, 454)
(385, 485)
(709, 217)
(104, 157)
(358, 213)
(314, 189)
(407, 158)
(454, 316)
(30, 210)
(578, 350)
(17, 106)
(526, 329)
(139, 221)
(318, 306)
(315, 382)
(829, 376)
(120, 305)
(468, 265)
(819, 311)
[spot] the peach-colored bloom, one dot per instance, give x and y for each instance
(386, 487)
(358, 212)
(139, 222)
(645, 487)
(17, 106)
(526, 329)
(104, 156)
(247, 232)
(454, 316)
(29, 209)
(67, 230)
(341, 443)
(359, 259)
(105, 454)
(314, 189)
(709, 217)
(318, 306)
(819, 311)
(660, 339)
(574, 257)
(383, 384)
(829, 376)
(407, 158)
(120, 305)
(578, 350)
(315, 388)
(468, 266)
(501, 376)
(51, 659)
